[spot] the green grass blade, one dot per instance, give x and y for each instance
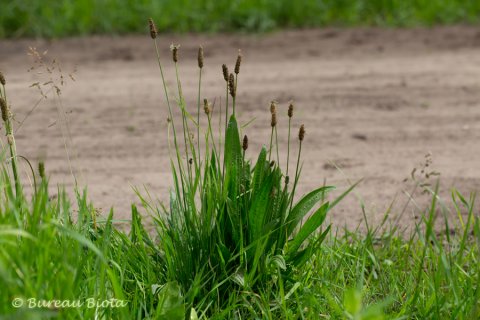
(304, 206)
(312, 224)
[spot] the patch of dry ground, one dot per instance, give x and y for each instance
(374, 102)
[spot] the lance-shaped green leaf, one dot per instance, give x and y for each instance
(256, 216)
(312, 224)
(233, 158)
(304, 206)
(260, 169)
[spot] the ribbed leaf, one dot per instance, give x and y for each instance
(256, 216)
(278, 261)
(259, 171)
(304, 206)
(302, 256)
(308, 228)
(233, 158)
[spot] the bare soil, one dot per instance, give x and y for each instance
(374, 103)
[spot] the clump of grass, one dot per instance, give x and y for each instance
(52, 253)
(235, 226)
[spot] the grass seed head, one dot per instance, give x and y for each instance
(273, 123)
(287, 179)
(225, 72)
(231, 85)
(238, 63)
(4, 107)
(200, 57)
(174, 49)
(273, 107)
(2, 78)
(245, 143)
(206, 107)
(41, 169)
(290, 110)
(301, 133)
(153, 28)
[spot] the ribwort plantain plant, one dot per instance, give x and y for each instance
(232, 226)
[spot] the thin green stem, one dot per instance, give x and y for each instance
(271, 143)
(288, 143)
(198, 114)
(12, 147)
(276, 146)
(226, 125)
(296, 175)
(181, 102)
(186, 129)
(235, 97)
(177, 153)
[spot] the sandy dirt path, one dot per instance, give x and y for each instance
(374, 103)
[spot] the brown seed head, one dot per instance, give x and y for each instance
(225, 72)
(153, 28)
(190, 161)
(290, 110)
(245, 143)
(4, 107)
(239, 62)
(2, 78)
(200, 57)
(287, 179)
(41, 169)
(206, 107)
(273, 123)
(231, 85)
(301, 133)
(273, 107)
(272, 163)
(174, 49)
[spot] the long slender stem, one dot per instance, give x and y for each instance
(170, 115)
(235, 97)
(226, 107)
(12, 145)
(271, 143)
(182, 109)
(296, 175)
(226, 125)
(198, 113)
(288, 143)
(276, 146)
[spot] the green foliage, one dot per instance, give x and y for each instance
(53, 18)
(48, 254)
(233, 243)
(231, 225)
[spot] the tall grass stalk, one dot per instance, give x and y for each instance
(6, 117)
(200, 67)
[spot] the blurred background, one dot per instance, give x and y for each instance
(59, 18)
